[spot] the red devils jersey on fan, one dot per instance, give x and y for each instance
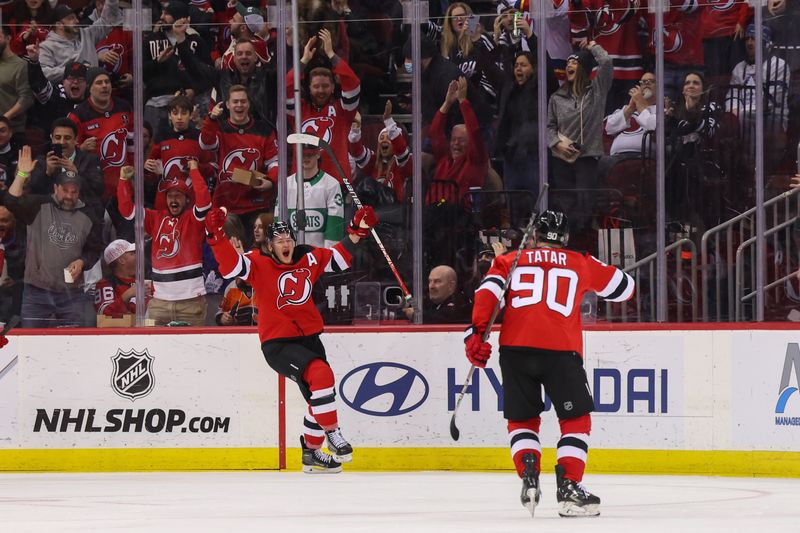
(392, 174)
(720, 17)
(285, 307)
(113, 130)
(252, 147)
(121, 42)
(259, 43)
(615, 28)
(177, 254)
(544, 296)
(19, 42)
(108, 296)
(683, 35)
(173, 149)
(331, 122)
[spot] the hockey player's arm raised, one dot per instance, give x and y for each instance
(231, 263)
(611, 283)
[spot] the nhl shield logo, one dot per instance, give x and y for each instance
(132, 376)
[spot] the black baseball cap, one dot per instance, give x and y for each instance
(68, 176)
(61, 11)
(75, 69)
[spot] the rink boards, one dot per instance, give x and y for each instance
(667, 401)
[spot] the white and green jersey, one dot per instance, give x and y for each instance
(324, 209)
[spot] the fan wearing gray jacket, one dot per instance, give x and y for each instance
(69, 42)
(575, 127)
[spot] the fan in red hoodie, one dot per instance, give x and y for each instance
(241, 141)
(177, 255)
(324, 115)
(105, 127)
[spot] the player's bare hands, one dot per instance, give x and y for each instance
(179, 28)
(327, 42)
(263, 185)
(461, 94)
(152, 165)
(165, 54)
(25, 162)
(126, 173)
(109, 56)
(387, 110)
(192, 163)
(216, 111)
(226, 319)
(308, 50)
(89, 144)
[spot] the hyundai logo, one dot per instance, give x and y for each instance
(384, 389)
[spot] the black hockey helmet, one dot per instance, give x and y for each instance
(280, 228)
(553, 227)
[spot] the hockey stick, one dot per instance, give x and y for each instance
(454, 433)
(11, 324)
(305, 138)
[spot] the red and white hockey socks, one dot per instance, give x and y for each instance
(524, 438)
(321, 415)
(573, 447)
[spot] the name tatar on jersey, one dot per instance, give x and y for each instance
(547, 256)
(169, 238)
(294, 286)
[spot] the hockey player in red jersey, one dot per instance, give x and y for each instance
(177, 255)
(324, 115)
(289, 324)
(541, 345)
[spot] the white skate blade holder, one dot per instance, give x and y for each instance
(311, 469)
(343, 458)
(532, 503)
(573, 510)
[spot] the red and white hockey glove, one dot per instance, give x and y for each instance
(215, 219)
(364, 220)
(478, 351)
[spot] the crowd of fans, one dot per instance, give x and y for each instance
(211, 113)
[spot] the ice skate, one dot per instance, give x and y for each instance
(317, 461)
(530, 483)
(573, 498)
(340, 448)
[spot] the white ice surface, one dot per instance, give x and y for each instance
(378, 502)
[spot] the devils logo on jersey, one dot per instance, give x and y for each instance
(610, 22)
(246, 158)
(321, 127)
(174, 170)
(721, 5)
(113, 47)
(294, 287)
(168, 241)
(114, 148)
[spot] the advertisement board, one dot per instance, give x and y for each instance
(143, 391)
(398, 389)
(765, 401)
